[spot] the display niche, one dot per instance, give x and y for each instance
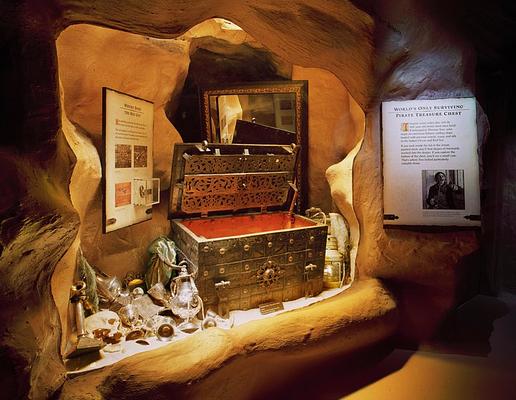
(147, 291)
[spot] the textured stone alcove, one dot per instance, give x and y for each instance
(84, 69)
(333, 114)
(377, 51)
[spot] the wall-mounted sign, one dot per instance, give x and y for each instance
(430, 162)
(129, 190)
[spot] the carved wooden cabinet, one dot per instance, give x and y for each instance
(228, 220)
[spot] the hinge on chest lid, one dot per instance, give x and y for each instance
(204, 214)
(203, 147)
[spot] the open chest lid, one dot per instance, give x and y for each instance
(216, 178)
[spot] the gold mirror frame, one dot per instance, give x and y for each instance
(299, 88)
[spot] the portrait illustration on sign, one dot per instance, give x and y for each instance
(443, 189)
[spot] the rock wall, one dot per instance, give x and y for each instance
(508, 228)
(416, 59)
(131, 64)
(333, 114)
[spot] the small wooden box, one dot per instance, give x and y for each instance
(227, 206)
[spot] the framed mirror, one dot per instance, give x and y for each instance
(259, 113)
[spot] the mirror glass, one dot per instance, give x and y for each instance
(259, 113)
(280, 104)
(275, 110)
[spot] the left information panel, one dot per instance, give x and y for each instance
(127, 128)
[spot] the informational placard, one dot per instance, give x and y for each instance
(430, 162)
(127, 163)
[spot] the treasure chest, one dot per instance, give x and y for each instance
(232, 221)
